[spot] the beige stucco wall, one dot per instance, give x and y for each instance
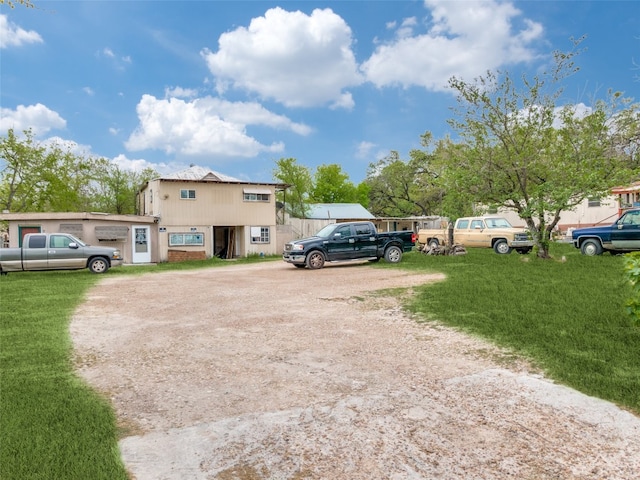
(217, 208)
(84, 227)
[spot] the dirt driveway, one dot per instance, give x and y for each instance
(270, 372)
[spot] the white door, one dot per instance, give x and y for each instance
(141, 244)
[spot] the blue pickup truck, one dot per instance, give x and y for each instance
(620, 237)
(348, 241)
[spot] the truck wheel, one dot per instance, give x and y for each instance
(591, 248)
(393, 254)
(501, 247)
(98, 265)
(315, 260)
(434, 243)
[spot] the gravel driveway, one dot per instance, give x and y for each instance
(266, 371)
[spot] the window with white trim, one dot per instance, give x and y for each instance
(183, 239)
(256, 195)
(186, 194)
(260, 235)
(594, 202)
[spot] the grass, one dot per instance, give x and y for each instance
(53, 425)
(567, 317)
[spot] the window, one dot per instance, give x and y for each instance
(260, 235)
(176, 239)
(59, 241)
(594, 202)
(256, 195)
(37, 241)
(463, 224)
(343, 232)
(363, 229)
(477, 224)
(187, 194)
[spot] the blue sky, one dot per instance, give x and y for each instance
(236, 85)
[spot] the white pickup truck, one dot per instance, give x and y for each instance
(57, 251)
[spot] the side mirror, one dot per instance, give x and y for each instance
(73, 245)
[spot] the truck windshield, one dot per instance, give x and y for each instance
(497, 223)
(326, 231)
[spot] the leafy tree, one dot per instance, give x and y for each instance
(520, 151)
(37, 178)
(115, 189)
(362, 194)
(401, 188)
(298, 177)
(332, 185)
(51, 178)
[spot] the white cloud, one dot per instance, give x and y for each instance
(117, 61)
(205, 127)
(89, 91)
(364, 149)
(13, 36)
(296, 59)
(465, 39)
(180, 92)
(38, 118)
(139, 164)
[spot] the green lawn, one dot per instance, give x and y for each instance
(567, 317)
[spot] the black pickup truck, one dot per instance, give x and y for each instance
(348, 241)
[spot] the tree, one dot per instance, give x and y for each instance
(520, 151)
(298, 177)
(51, 178)
(332, 185)
(115, 189)
(38, 178)
(401, 188)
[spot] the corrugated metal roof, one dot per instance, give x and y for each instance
(338, 211)
(200, 173)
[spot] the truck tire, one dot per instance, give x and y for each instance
(315, 260)
(591, 247)
(501, 247)
(98, 265)
(393, 254)
(434, 243)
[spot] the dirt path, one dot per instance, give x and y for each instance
(270, 372)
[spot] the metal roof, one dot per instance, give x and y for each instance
(200, 173)
(338, 211)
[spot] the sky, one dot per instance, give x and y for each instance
(235, 86)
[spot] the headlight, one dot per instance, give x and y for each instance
(298, 248)
(116, 255)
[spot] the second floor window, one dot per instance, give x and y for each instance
(256, 195)
(187, 194)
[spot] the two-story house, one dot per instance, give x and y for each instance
(201, 213)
